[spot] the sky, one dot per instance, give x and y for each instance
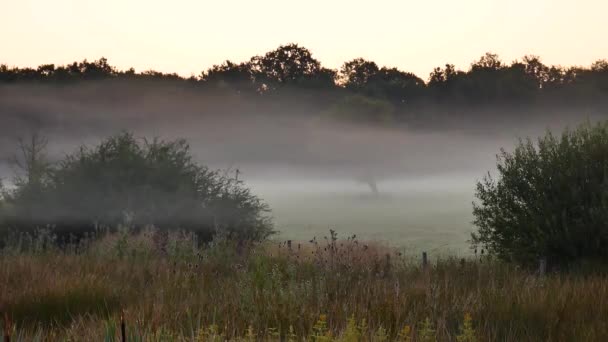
(188, 36)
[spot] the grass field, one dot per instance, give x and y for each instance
(412, 218)
(325, 290)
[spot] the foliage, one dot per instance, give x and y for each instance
(357, 73)
(229, 75)
(292, 70)
(550, 200)
(289, 64)
(364, 77)
(123, 181)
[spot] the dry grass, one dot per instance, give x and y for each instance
(326, 290)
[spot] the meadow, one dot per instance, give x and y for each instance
(167, 287)
(418, 214)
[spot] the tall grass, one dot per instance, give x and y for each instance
(326, 289)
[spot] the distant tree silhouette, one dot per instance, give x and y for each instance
(355, 74)
(290, 74)
(397, 86)
(599, 70)
(488, 62)
(442, 82)
(289, 65)
(535, 70)
(229, 75)
(362, 76)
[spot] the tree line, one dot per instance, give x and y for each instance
(292, 69)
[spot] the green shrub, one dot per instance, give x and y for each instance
(124, 181)
(550, 200)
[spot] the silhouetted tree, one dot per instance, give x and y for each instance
(290, 74)
(288, 65)
(397, 86)
(488, 62)
(443, 82)
(536, 70)
(355, 74)
(229, 75)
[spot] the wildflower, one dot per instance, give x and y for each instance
(467, 333)
(426, 332)
(405, 334)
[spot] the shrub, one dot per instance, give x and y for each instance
(550, 200)
(124, 181)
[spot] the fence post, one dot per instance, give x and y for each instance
(542, 266)
(425, 260)
(123, 328)
(7, 327)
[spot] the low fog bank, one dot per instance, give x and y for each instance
(286, 140)
(314, 172)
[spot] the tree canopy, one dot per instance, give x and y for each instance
(293, 71)
(295, 65)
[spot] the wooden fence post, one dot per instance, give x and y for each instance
(542, 266)
(425, 260)
(123, 328)
(7, 327)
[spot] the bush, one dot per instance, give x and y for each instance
(551, 200)
(124, 181)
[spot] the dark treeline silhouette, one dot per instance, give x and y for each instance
(292, 71)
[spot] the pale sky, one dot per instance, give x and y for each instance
(188, 36)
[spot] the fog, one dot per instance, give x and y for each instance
(410, 186)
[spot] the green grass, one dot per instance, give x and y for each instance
(416, 222)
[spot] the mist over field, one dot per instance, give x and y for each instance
(268, 171)
(409, 184)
